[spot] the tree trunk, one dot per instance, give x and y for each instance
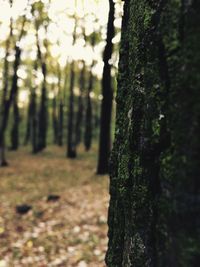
(34, 122)
(88, 113)
(15, 128)
(7, 104)
(154, 213)
(28, 123)
(55, 120)
(79, 117)
(42, 116)
(3, 161)
(61, 113)
(71, 142)
(107, 92)
(43, 109)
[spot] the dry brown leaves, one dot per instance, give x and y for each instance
(69, 232)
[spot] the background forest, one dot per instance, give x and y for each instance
(57, 79)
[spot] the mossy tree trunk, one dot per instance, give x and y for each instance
(154, 213)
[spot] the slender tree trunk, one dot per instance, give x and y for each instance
(79, 117)
(88, 113)
(43, 109)
(28, 123)
(42, 115)
(154, 184)
(71, 144)
(3, 161)
(107, 92)
(15, 127)
(61, 117)
(61, 113)
(7, 104)
(55, 120)
(34, 122)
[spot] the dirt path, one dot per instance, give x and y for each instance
(68, 232)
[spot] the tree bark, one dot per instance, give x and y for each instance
(154, 183)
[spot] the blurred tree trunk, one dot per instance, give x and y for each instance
(88, 113)
(71, 145)
(55, 119)
(43, 109)
(61, 113)
(28, 123)
(107, 92)
(154, 213)
(34, 120)
(33, 116)
(8, 99)
(15, 127)
(79, 117)
(71, 142)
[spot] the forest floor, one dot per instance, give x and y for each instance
(70, 231)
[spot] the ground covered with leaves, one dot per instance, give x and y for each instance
(66, 224)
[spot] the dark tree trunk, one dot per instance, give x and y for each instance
(107, 92)
(71, 144)
(88, 113)
(61, 113)
(154, 213)
(28, 123)
(43, 109)
(79, 117)
(71, 138)
(42, 116)
(61, 117)
(34, 121)
(7, 104)
(15, 127)
(3, 161)
(55, 120)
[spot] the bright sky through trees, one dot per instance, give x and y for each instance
(91, 15)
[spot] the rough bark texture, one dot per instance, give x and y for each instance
(107, 92)
(154, 213)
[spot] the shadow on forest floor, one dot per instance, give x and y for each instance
(69, 231)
